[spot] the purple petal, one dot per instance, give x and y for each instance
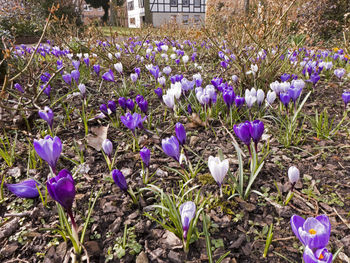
(24, 189)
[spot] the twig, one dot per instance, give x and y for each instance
(27, 213)
(341, 218)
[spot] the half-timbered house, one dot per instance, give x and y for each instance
(184, 12)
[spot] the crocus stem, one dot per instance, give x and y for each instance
(220, 191)
(74, 229)
(256, 147)
(250, 151)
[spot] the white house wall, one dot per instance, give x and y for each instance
(136, 14)
(163, 18)
(160, 6)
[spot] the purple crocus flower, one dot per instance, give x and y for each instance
(180, 133)
(47, 89)
(239, 101)
(285, 98)
(143, 105)
(189, 109)
(155, 71)
(132, 121)
(133, 77)
(97, 69)
(122, 103)
(119, 180)
(216, 82)
(242, 131)
(24, 189)
(108, 76)
(145, 154)
(19, 87)
(107, 147)
(314, 78)
(47, 115)
(45, 77)
(346, 97)
(112, 106)
(159, 93)
(312, 232)
(294, 92)
(130, 104)
(61, 188)
(187, 213)
(171, 147)
(285, 77)
(319, 256)
(339, 72)
(87, 61)
(49, 149)
(256, 130)
(138, 71)
(75, 75)
(104, 109)
(76, 64)
(229, 97)
(67, 78)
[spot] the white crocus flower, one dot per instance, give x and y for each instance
(218, 170)
(119, 67)
(260, 95)
(110, 56)
(270, 97)
(293, 174)
(185, 59)
(169, 100)
(253, 69)
(176, 89)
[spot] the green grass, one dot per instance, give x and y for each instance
(122, 31)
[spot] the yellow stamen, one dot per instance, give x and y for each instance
(312, 231)
(321, 256)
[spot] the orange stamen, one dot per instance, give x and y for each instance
(312, 231)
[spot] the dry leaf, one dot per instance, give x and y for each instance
(96, 139)
(196, 121)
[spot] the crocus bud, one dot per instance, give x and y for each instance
(75, 75)
(285, 99)
(339, 72)
(112, 106)
(119, 67)
(145, 154)
(167, 70)
(108, 76)
(243, 132)
(104, 109)
(239, 101)
(67, 78)
(61, 188)
(187, 213)
(171, 147)
(256, 130)
(47, 115)
(49, 149)
(189, 109)
(133, 77)
(159, 93)
(346, 97)
(293, 174)
(24, 189)
(107, 147)
(130, 104)
(270, 97)
(19, 87)
(260, 95)
(122, 103)
(180, 133)
(82, 89)
(218, 169)
(234, 78)
(119, 180)
(97, 69)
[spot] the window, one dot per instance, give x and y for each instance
(197, 3)
(132, 21)
(87, 8)
(185, 19)
(141, 3)
(185, 2)
(131, 5)
(173, 2)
